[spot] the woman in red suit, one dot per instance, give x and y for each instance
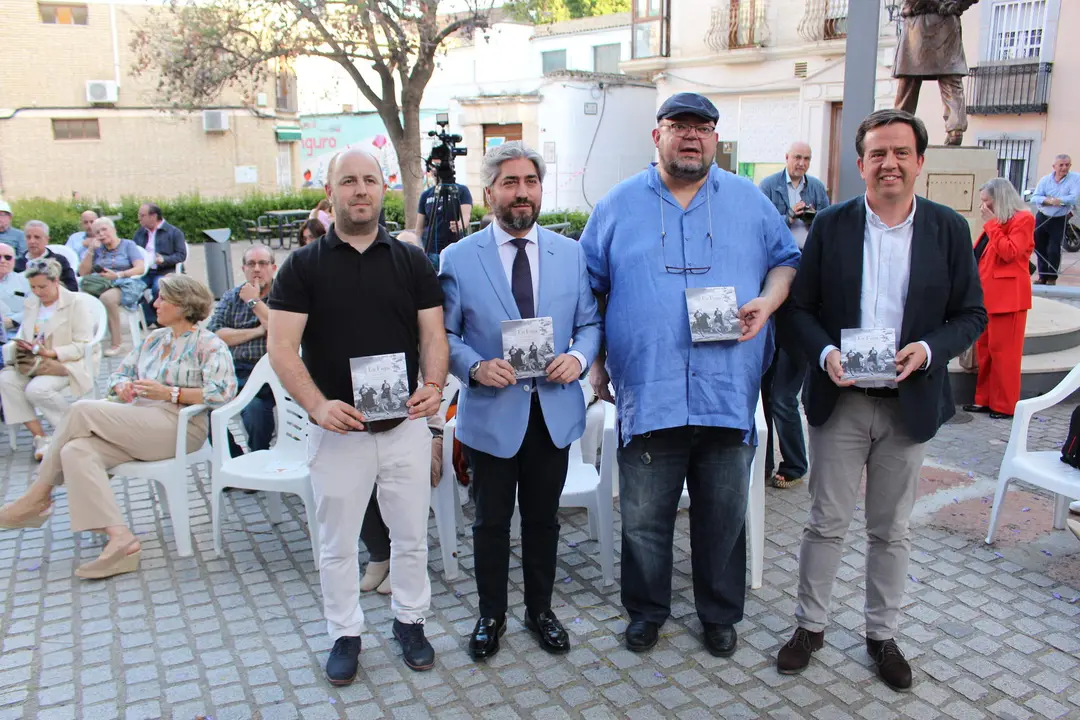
(1003, 252)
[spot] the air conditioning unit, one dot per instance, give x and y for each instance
(102, 91)
(215, 120)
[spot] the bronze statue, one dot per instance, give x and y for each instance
(931, 48)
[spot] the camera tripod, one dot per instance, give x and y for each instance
(445, 207)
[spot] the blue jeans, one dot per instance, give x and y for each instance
(715, 465)
(152, 279)
(258, 416)
(783, 382)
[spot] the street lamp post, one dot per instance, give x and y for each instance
(860, 81)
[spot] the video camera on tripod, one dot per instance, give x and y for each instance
(443, 221)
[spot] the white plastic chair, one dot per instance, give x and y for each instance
(1042, 469)
(172, 476)
(135, 319)
(68, 254)
(281, 469)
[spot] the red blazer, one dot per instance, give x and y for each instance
(1003, 267)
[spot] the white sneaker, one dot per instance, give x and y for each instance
(384, 587)
(1074, 507)
(41, 444)
(374, 575)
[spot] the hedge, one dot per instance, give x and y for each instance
(193, 214)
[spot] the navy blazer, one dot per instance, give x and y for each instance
(775, 188)
(168, 243)
(944, 306)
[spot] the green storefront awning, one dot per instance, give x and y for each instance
(287, 134)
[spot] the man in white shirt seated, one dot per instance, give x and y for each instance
(14, 289)
(78, 241)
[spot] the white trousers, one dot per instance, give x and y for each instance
(20, 395)
(344, 468)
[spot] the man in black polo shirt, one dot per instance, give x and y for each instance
(353, 294)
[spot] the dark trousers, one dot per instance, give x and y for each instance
(152, 279)
(780, 387)
(715, 465)
(536, 474)
(258, 416)
(1049, 232)
(374, 533)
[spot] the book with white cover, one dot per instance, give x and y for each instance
(380, 386)
(528, 345)
(868, 353)
(713, 313)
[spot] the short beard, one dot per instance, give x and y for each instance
(686, 170)
(343, 222)
(509, 221)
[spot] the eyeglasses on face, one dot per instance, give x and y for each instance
(252, 264)
(684, 130)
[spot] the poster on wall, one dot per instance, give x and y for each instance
(322, 136)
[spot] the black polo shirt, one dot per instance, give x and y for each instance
(357, 304)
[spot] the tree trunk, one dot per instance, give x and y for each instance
(409, 160)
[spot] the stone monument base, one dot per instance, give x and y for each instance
(952, 176)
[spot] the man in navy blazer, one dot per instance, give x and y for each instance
(518, 431)
(165, 247)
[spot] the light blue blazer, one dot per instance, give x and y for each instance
(477, 299)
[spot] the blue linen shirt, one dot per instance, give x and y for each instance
(662, 379)
(16, 239)
(1068, 191)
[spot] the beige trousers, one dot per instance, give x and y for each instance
(111, 300)
(952, 99)
(20, 395)
(98, 435)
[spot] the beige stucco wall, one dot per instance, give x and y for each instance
(142, 150)
(477, 113)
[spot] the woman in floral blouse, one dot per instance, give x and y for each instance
(177, 365)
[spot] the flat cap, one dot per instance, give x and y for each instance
(691, 103)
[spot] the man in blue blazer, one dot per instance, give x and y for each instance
(518, 431)
(165, 245)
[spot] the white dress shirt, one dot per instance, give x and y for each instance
(151, 249)
(886, 270)
(14, 289)
(794, 196)
(508, 251)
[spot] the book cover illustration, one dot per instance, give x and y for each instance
(868, 353)
(528, 345)
(380, 386)
(713, 313)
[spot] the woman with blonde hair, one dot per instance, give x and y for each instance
(1003, 253)
(46, 358)
(112, 271)
(179, 364)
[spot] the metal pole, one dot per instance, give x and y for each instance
(860, 80)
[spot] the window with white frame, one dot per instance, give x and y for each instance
(1016, 29)
(553, 60)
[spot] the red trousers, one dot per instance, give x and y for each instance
(999, 351)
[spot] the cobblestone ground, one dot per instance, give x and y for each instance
(993, 632)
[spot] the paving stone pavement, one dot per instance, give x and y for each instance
(990, 633)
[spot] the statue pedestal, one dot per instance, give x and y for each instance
(952, 176)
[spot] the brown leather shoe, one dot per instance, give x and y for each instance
(795, 656)
(892, 667)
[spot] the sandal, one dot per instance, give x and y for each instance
(783, 483)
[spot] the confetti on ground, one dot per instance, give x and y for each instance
(571, 544)
(457, 593)
(971, 474)
(332, 701)
(913, 578)
(1057, 596)
(1025, 509)
(658, 674)
(999, 555)
(567, 579)
(1047, 553)
(957, 502)
(577, 620)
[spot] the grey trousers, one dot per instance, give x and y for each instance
(862, 432)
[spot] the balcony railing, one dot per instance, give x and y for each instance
(827, 19)
(1008, 88)
(737, 24)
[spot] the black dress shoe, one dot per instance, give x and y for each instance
(416, 651)
(976, 408)
(995, 415)
(344, 660)
(641, 635)
(720, 640)
(892, 666)
(484, 642)
(549, 631)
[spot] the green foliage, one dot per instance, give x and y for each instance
(550, 11)
(576, 219)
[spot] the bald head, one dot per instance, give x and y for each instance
(355, 187)
(86, 220)
(797, 160)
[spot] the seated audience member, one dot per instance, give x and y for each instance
(408, 236)
(323, 212)
(46, 357)
(240, 320)
(9, 235)
(165, 248)
(14, 289)
(79, 241)
(112, 273)
(179, 364)
(37, 248)
(310, 231)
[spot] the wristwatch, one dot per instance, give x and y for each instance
(252, 303)
(473, 370)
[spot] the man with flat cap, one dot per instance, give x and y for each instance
(683, 231)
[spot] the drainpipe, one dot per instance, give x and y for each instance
(115, 44)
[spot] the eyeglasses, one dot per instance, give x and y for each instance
(683, 130)
(7, 257)
(252, 264)
(690, 269)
